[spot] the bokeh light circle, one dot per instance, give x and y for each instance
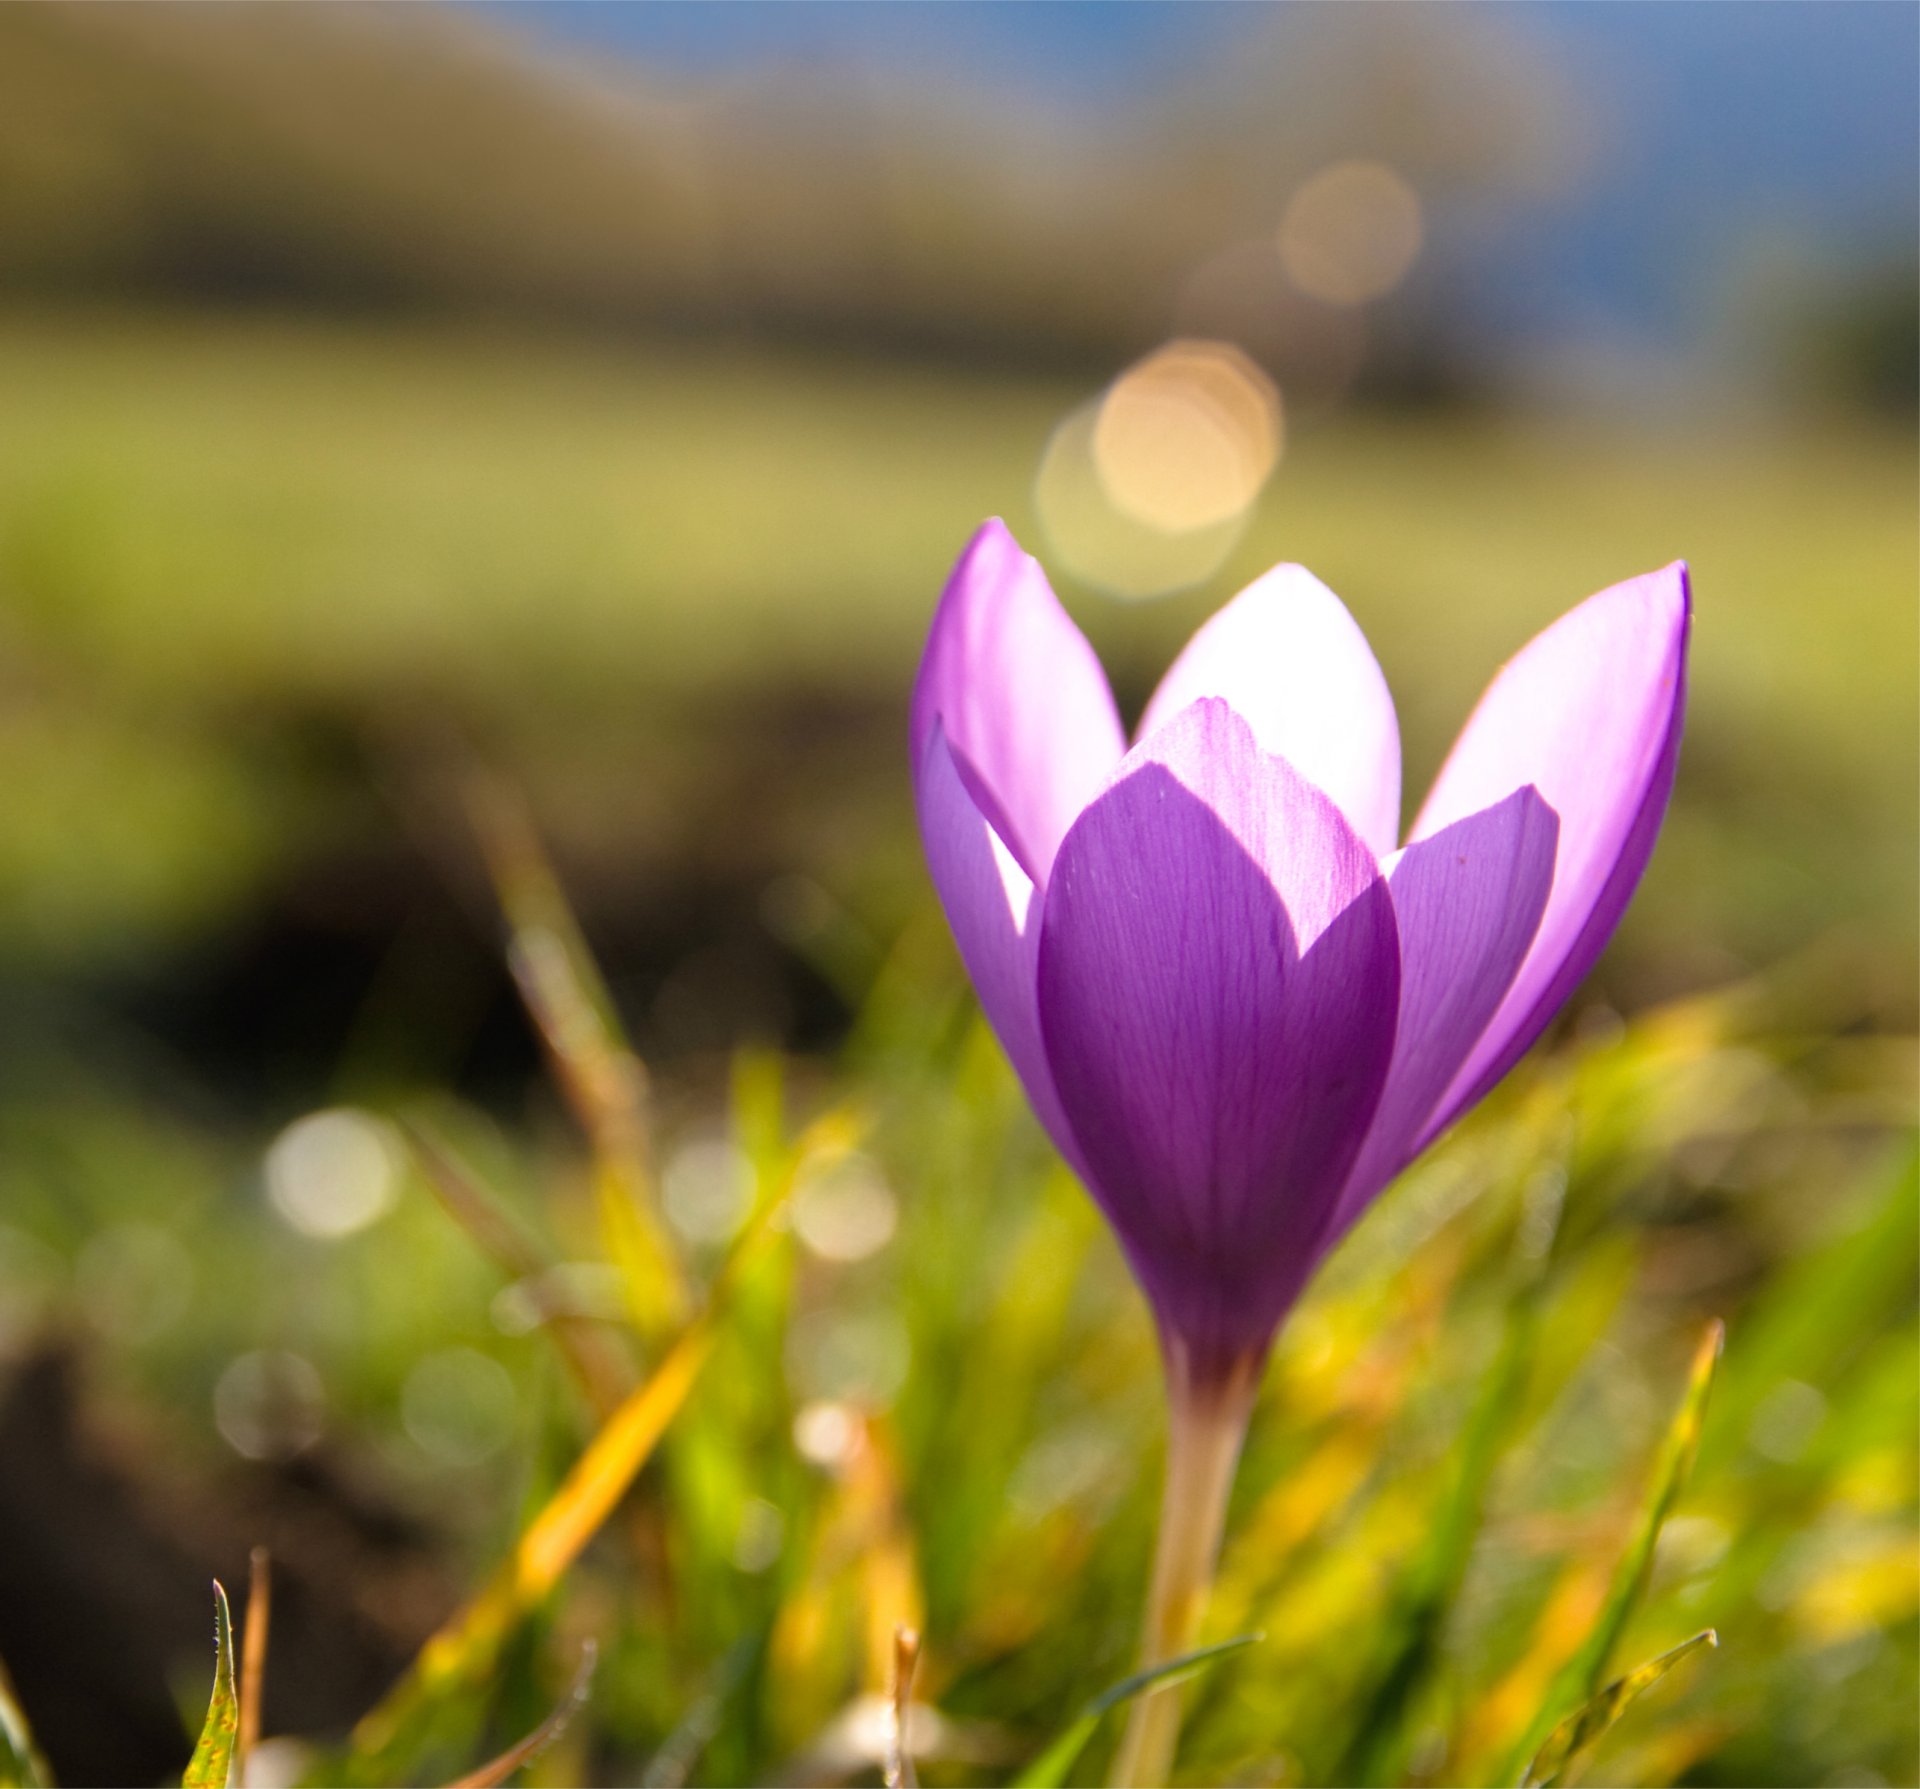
(459, 1406)
(1351, 233)
(269, 1405)
(1146, 489)
(847, 1211)
(1186, 438)
(332, 1173)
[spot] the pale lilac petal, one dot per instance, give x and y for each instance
(1590, 714)
(1296, 666)
(1467, 902)
(993, 910)
(1020, 695)
(1219, 979)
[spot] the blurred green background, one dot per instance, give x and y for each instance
(589, 402)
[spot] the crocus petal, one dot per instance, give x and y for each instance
(1589, 713)
(1021, 696)
(1467, 903)
(992, 908)
(1291, 660)
(1218, 984)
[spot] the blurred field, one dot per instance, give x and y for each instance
(270, 590)
(679, 592)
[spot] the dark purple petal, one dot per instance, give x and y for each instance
(1590, 714)
(1219, 980)
(1467, 903)
(1296, 667)
(992, 908)
(1021, 696)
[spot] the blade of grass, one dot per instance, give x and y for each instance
(1376, 1751)
(1484, 1729)
(468, 1642)
(1583, 1676)
(600, 1376)
(253, 1657)
(860, 1576)
(603, 1081)
(889, 1566)
(1569, 1743)
(1049, 1770)
(211, 1766)
(673, 1763)
(497, 1770)
(21, 1766)
(897, 1771)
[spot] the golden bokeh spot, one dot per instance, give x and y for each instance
(1185, 439)
(1351, 232)
(1101, 544)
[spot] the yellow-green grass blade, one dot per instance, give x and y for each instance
(603, 1080)
(1376, 1751)
(1049, 1770)
(469, 1642)
(211, 1766)
(602, 1377)
(499, 1769)
(1569, 1744)
(1583, 1677)
(21, 1766)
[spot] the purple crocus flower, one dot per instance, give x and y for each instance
(1239, 1005)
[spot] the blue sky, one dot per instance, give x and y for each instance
(1064, 50)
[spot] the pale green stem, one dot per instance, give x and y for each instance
(1206, 1423)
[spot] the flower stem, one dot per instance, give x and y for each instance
(1206, 1423)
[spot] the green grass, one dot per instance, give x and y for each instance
(1504, 1340)
(247, 571)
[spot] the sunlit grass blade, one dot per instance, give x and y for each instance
(637, 1244)
(897, 1768)
(498, 1769)
(1049, 1770)
(600, 1375)
(468, 1643)
(211, 1766)
(603, 1080)
(21, 1766)
(253, 1657)
(1569, 1743)
(890, 1569)
(1583, 1677)
(1377, 1749)
(859, 1585)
